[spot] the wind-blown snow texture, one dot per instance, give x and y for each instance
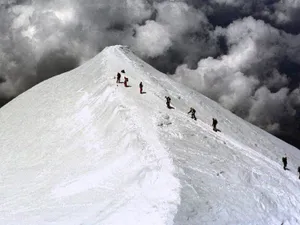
(80, 149)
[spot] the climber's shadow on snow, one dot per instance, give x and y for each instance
(217, 130)
(143, 92)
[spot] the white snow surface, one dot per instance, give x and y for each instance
(80, 149)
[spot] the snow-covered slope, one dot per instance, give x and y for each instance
(80, 149)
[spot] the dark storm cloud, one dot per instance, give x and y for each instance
(246, 80)
(36, 34)
(281, 14)
(243, 54)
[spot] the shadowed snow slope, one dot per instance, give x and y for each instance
(80, 149)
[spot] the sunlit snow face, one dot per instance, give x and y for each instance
(168, 34)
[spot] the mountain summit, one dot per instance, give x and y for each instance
(81, 149)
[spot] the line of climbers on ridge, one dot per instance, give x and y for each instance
(168, 100)
(126, 82)
(284, 161)
(192, 112)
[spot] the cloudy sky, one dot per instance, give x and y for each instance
(244, 54)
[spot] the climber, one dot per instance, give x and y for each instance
(214, 124)
(192, 111)
(168, 102)
(141, 88)
(125, 81)
(284, 160)
(299, 172)
(118, 77)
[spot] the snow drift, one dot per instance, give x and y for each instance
(80, 149)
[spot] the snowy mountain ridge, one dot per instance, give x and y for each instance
(80, 149)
